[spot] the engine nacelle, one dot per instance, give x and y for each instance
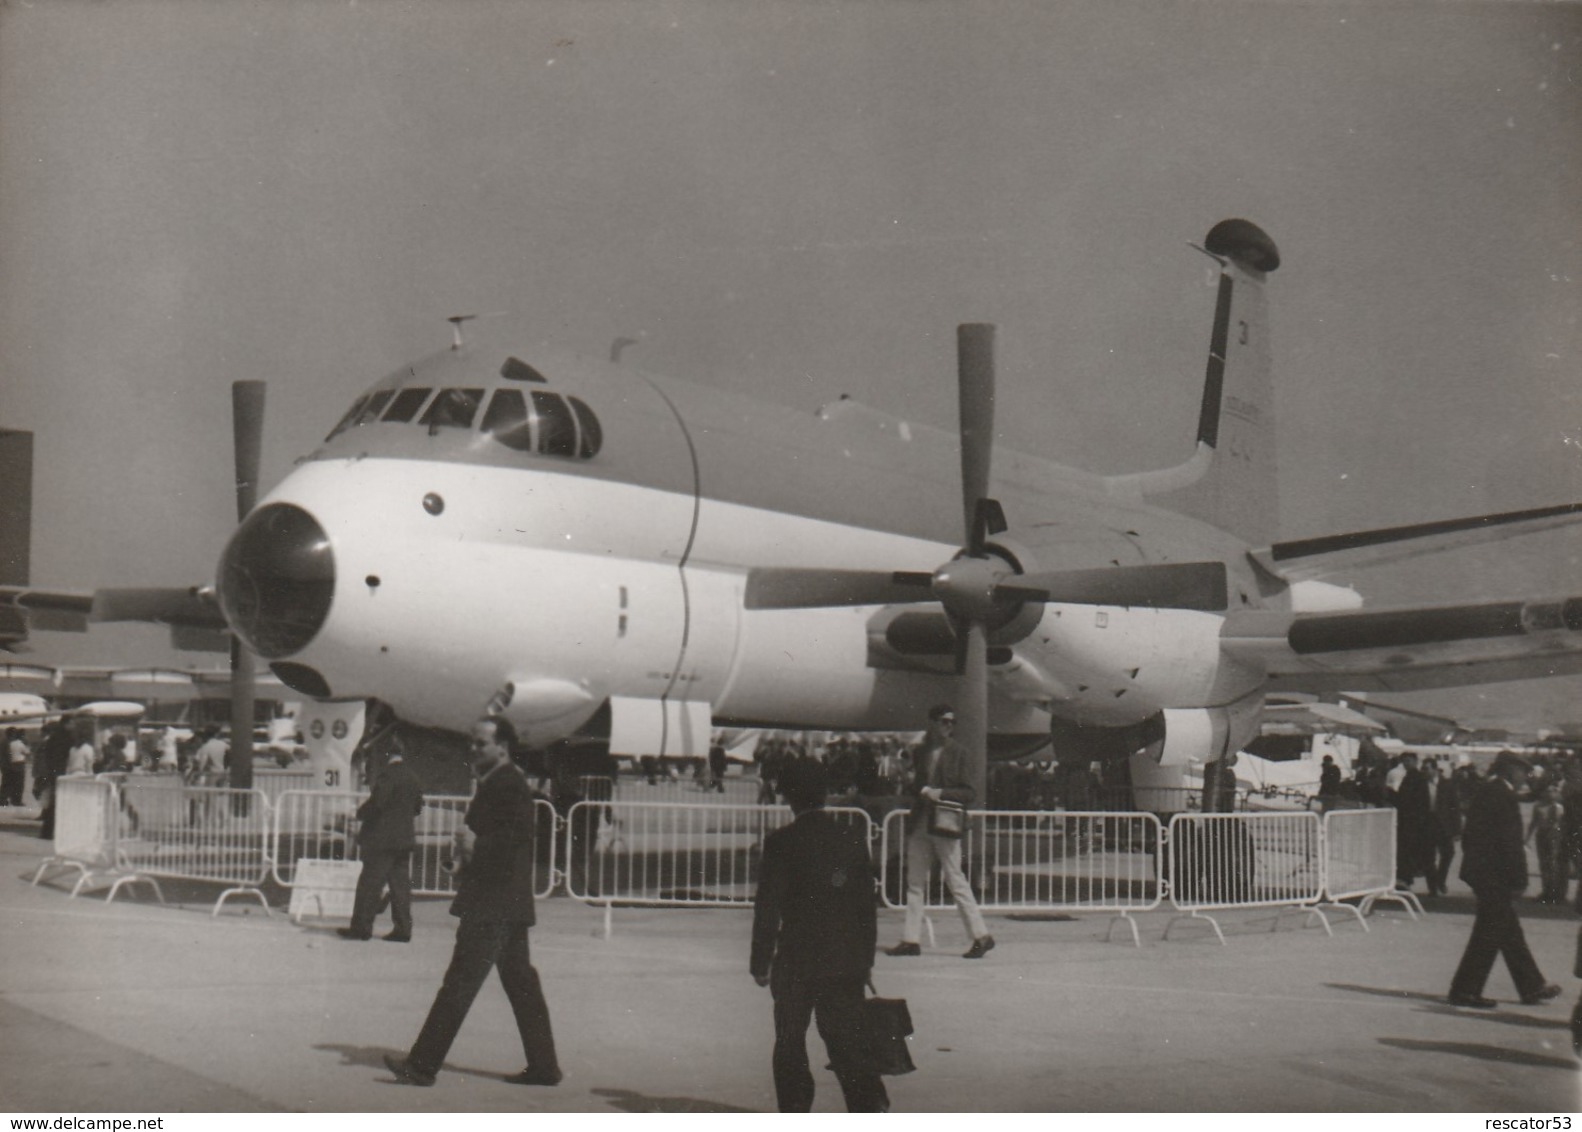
(1204, 734)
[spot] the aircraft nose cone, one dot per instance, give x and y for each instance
(277, 579)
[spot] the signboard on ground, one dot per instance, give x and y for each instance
(323, 889)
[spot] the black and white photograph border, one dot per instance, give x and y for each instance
(793, 204)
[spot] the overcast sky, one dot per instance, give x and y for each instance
(798, 200)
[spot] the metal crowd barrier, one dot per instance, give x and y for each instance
(275, 781)
(677, 791)
(87, 830)
(659, 853)
(1042, 861)
(1359, 862)
(1253, 860)
(707, 853)
(322, 825)
(206, 833)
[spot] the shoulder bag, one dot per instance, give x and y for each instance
(947, 819)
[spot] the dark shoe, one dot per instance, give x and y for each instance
(353, 933)
(406, 1072)
(397, 937)
(1475, 1001)
(904, 948)
(549, 1077)
(1542, 995)
(980, 948)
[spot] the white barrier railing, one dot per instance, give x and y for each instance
(658, 853)
(206, 833)
(1041, 861)
(706, 854)
(87, 827)
(275, 781)
(1250, 860)
(678, 791)
(321, 825)
(1359, 862)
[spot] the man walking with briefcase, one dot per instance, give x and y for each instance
(814, 928)
(941, 774)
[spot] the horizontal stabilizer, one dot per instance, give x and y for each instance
(1304, 559)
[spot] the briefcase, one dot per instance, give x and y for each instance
(947, 819)
(887, 1023)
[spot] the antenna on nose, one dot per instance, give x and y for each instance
(455, 321)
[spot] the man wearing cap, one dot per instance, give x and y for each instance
(814, 929)
(941, 771)
(1494, 864)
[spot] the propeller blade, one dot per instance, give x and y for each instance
(972, 703)
(243, 692)
(975, 396)
(988, 518)
(1169, 585)
(247, 429)
(167, 606)
(776, 587)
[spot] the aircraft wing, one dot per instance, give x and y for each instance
(24, 610)
(1320, 716)
(1305, 559)
(1410, 649)
(192, 614)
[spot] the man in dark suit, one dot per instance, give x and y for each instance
(494, 901)
(385, 842)
(941, 771)
(814, 930)
(1494, 863)
(1414, 825)
(1445, 794)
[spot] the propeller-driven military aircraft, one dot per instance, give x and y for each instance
(592, 550)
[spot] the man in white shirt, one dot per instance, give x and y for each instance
(81, 759)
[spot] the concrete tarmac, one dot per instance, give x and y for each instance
(131, 1007)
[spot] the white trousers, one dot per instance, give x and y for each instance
(922, 850)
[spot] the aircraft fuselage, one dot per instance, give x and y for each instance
(601, 549)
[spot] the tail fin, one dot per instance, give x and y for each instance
(1238, 491)
(16, 506)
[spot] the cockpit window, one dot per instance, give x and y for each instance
(542, 422)
(531, 420)
(346, 421)
(506, 420)
(592, 435)
(453, 408)
(376, 403)
(406, 404)
(557, 430)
